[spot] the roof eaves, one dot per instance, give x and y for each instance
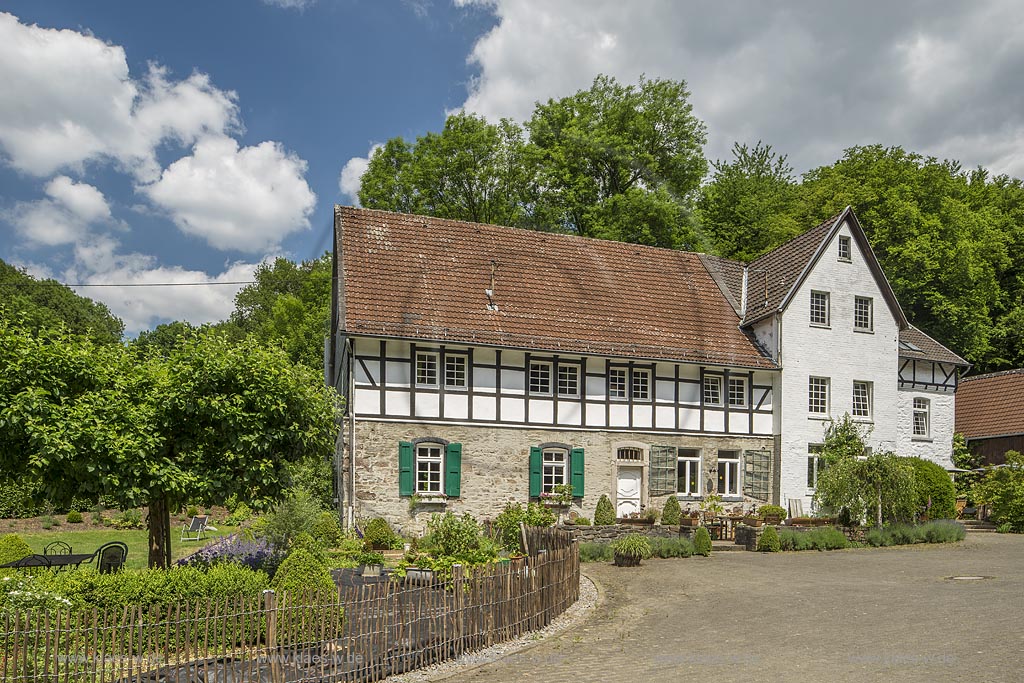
(838, 221)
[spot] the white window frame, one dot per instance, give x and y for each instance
(845, 246)
(427, 366)
(732, 473)
(453, 371)
(565, 370)
(742, 393)
(640, 392)
(859, 316)
(824, 383)
(690, 459)
(813, 464)
(867, 397)
(543, 369)
(618, 383)
(554, 469)
(825, 309)
(923, 409)
(711, 390)
(429, 479)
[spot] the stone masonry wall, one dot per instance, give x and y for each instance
(495, 467)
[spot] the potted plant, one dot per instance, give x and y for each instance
(772, 514)
(711, 506)
(690, 520)
(371, 563)
(630, 550)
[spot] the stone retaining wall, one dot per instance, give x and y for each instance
(613, 532)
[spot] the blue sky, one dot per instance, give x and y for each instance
(187, 141)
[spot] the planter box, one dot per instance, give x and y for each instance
(753, 521)
(419, 575)
(368, 570)
(692, 522)
(642, 521)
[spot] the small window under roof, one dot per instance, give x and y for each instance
(909, 346)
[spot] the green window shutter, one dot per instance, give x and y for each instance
(405, 479)
(576, 466)
(453, 470)
(535, 470)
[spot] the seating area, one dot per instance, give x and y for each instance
(109, 557)
(197, 528)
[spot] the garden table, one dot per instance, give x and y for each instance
(37, 561)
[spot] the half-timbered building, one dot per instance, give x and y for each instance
(482, 364)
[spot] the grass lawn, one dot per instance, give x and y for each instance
(85, 538)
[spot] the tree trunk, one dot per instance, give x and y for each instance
(878, 506)
(159, 533)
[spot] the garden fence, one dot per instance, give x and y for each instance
(358, 633)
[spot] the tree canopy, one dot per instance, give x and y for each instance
(207, 419)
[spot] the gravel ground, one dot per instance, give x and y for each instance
(589, 598)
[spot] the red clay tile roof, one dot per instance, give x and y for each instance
(771, 276)
(991, 405)
(421, 277)
(926, 348)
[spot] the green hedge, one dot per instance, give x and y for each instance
(818, 538)
(933, 486)
(939, 531)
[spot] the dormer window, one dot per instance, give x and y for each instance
(844, 248)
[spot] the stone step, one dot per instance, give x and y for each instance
(981, 530)
(724, 546)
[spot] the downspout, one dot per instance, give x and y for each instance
(350, 516)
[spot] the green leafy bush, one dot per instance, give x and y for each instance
(506, 524)
(936, 493)
(305, 541)
(671, 547)
(327, 530)
(81, 504)
(378, 535)
(769, 541)
(766, 511)
(240, 513)
(128, 519)
(671, 513)
(817, 538)
(596, 552)
(74, 517)
(13, 547)
(631, 549)
(581, 521)
(1003, 489)
(17, 499)
(191, 511)
(302, 572)
(289, 518)
(938, 531)
(451, 536)
(1004, 528)
(604, 514)
(702, 542)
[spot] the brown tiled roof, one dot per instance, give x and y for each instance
(771, 276)
(420, 277)
(991, 405)
(929, 348)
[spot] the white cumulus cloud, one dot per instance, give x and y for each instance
(64, 217)
(351, 177)
(246, 198)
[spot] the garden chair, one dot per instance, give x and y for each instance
(57, 548)
(111, 557)
(197, 528)
(796, 507)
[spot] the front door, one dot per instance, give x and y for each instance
(627, 490)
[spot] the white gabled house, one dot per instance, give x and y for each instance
(483, 364)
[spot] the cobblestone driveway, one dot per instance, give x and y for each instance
(858, 615)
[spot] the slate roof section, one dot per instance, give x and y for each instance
(420, 277)
(728, 275)
(991, 405)
(771, 276)
(927, 348)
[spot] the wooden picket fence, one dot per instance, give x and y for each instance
(361, 633)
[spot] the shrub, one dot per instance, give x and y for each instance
(596, 552)
(378, 534)
(129, 519)
(769, 541)
(302, 572)
(631, 549)
(191, 511)
(306, 542)
(16, 499)
(1003, 489)
(818, 538)
(327, 530)
(74, 517)
(671, 513)
(671, 547)
(81, 504)
(772, 511)
(507, 523)
(939, 531)
(451, 536)
(240, 513)
(254, 554)
(581, 521)
(936, 493)
(1004, 528)
(13, 547)
(702, 542)
(604, 514)
(943, 531)
(289, 518)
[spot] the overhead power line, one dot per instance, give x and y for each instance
(125, 284)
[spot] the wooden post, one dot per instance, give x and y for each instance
(522, 535)
(270, 610)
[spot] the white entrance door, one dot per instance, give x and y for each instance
(627, 491)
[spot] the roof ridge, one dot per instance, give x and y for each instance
(828, 221)
(998, 373)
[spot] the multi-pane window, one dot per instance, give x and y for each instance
(426, 369)
(844, 248)
(688, 472)
(813, 464)
(568, 380)
(921, 417)
(540, 378)
(630, 453)
(757, 474)
(712, 391)
(817, 395)
(428, 468)
(819, 308)
(641, 385)
(861, 399)
(728, 473)
(455, 371)
(555, 463)
(862, 313)
(617, 383)
(737, 391)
